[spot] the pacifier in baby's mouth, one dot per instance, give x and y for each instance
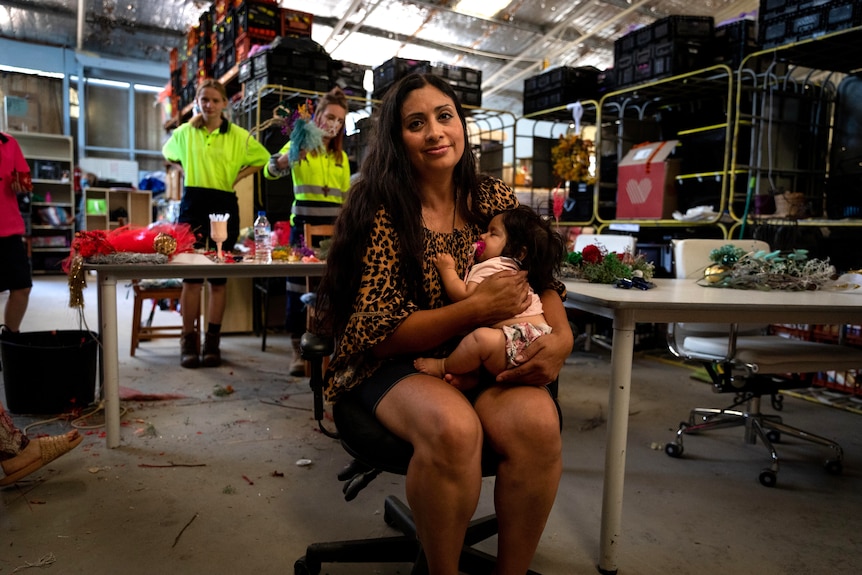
(478, 249)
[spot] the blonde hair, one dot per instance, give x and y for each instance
(335, 97)
(198, 120)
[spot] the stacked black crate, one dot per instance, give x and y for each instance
(225, 42)
(294, 61)
(392, 70)
(680, 44)
(669, 46)
(559, 87)
(734, 41)
(466, 82)
(350, 78)
(786, 21)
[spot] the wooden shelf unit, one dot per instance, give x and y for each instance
(52, 207)
(102, 205)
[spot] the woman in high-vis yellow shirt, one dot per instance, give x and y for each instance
(214, 154)
(321, 179)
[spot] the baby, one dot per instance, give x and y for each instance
(516, 239)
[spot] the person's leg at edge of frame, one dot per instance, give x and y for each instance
(190, 342)
(215, 314)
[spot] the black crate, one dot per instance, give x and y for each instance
(393, 70)
(844, 14)
(771, 8)
(581, 82)
(675, 57)
(809, 22)
(245, 71)
(676, 27)
(296, 55)
(258, 18)
(734, 41)
(468, 96)
(310, 82)
(455, 75)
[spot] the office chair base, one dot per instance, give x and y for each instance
(768, 428)
(400, 549)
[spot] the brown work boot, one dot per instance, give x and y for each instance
(297, 366)
(212, 355)
(190, 345)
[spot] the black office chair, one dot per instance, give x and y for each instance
(376, 450)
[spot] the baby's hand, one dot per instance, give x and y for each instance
(444, 262)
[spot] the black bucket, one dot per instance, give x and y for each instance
(48, 371)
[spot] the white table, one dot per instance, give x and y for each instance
(108, 274)
(677, 301)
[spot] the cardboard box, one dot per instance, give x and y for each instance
(646, 183)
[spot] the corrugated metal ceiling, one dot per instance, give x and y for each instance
(508, 47)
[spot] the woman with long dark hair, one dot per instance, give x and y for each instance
(418, 195)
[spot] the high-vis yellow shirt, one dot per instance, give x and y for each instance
(319, 185)
(214, 159)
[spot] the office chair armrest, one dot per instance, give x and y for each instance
(356, 476)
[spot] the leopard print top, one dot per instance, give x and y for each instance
(381, 304)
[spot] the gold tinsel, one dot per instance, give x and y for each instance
(165, 244)
(571, 158)
(77, 282)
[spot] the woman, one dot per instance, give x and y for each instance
(21, 456)
(418, 196)
(320, 184)
(214, 154)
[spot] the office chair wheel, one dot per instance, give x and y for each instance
(305, 567)
(768, 478)
(773, 436)
(673, 449)
(834, 466)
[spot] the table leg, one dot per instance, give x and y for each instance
(615, 452)
(110, 357)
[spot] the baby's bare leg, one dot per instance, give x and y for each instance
(483, 346)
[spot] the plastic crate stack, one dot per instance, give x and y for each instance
(293, 61)
(786, 21)
(560, 87)
(392, 70)
(466, 82)
(667, 47)
(350, 78)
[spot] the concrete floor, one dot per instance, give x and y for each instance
(204, 483)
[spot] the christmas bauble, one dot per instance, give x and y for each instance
(714, 273)
(165, 244)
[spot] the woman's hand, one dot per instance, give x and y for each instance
(542, 360)
(501, 296)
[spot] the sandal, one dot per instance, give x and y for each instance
(50, 448)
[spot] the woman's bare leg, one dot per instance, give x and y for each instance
(444, 478)
(522, 425)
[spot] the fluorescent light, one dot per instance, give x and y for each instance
(481, 8)
(150, 89)
(30, 71)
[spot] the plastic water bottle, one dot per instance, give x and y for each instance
(262, 239)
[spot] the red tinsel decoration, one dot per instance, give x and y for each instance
(128, 239)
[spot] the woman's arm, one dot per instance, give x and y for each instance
(499, 297)
(245, 172)
(544, 358)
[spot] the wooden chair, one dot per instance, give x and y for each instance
(155, 290)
